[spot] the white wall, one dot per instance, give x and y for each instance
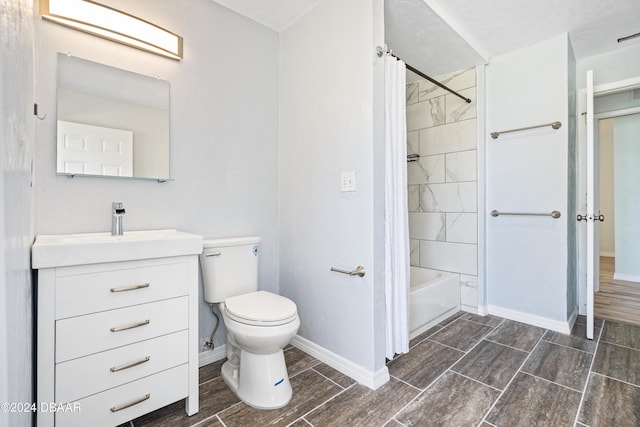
(224, 133)
(609, 67)
(16, 194)
(527, 257)
(328, 112)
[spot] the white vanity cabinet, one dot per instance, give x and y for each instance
(116, 339)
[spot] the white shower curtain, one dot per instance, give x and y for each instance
(396, 212)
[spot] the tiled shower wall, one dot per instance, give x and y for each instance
(443, 205)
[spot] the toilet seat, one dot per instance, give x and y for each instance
(261, 308)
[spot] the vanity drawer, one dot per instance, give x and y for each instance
(84, 335)
(103, 409)
(88, 375)
(105, 290)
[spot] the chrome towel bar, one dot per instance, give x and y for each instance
(555, 125)
(552, 214)
(359, 271)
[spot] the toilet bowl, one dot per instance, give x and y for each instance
(255, 367)
(259, 324)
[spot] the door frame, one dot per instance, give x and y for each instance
(581, 206)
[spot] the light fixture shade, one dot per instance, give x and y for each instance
(112, 24)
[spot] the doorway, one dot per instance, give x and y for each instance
(618, 298)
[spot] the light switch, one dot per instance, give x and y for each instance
(348, 181)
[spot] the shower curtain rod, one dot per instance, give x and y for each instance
(380, 51)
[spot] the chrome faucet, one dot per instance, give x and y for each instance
(116, 220)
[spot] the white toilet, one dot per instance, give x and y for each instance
(259, 324)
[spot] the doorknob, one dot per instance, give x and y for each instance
(581, 217)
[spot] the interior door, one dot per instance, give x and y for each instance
(94, 150)
(593, 186)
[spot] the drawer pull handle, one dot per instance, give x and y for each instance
(130, 365)
(216, 253)
(127, 405)
(130, 326)
(130, 288)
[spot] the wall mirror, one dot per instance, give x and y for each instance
(111, 122)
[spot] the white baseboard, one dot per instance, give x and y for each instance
(626, 277)
(210, 356)
(532, 319)
(368, 378)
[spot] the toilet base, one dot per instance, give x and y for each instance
(261, 381)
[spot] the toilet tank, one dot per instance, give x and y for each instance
(229, 267)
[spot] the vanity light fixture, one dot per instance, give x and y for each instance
(112, 24)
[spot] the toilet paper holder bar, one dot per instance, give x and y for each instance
(359, 271)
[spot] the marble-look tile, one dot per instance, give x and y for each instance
(424, 363)
(336, 376)
(457, 81)
(577, 339)
(487, 320)
(309, 388)
(459, 136)
(531, 401)
(425, 114)
(298, 361)
(423, 336)
(413, 198)
(468, 295)
(413, 142)
(462, 227)
(453, 400)
(427, 225)
(450, 197)
(492, 364)
(608, 402)
(412, 92)
(516, 334)
(618, 362)
(458, 109)
(394, 423)
(461, 166)
(360, 406)
(461, 334)
(215, 396)
(300, 423)
(427, 170)
(414, 252)
(621, 334)
(562, 365)
(448, 256)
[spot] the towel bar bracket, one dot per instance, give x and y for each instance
(359, 271)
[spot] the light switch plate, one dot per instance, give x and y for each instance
(348, 181)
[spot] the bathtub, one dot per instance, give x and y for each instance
(434, 295)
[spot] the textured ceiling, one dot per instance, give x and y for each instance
(275, 14)
(441, 36)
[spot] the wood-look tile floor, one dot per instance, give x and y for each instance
(467, 371)
(618, 300)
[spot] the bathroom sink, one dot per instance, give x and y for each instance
(90, 248)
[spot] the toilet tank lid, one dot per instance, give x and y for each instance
(231, 241)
